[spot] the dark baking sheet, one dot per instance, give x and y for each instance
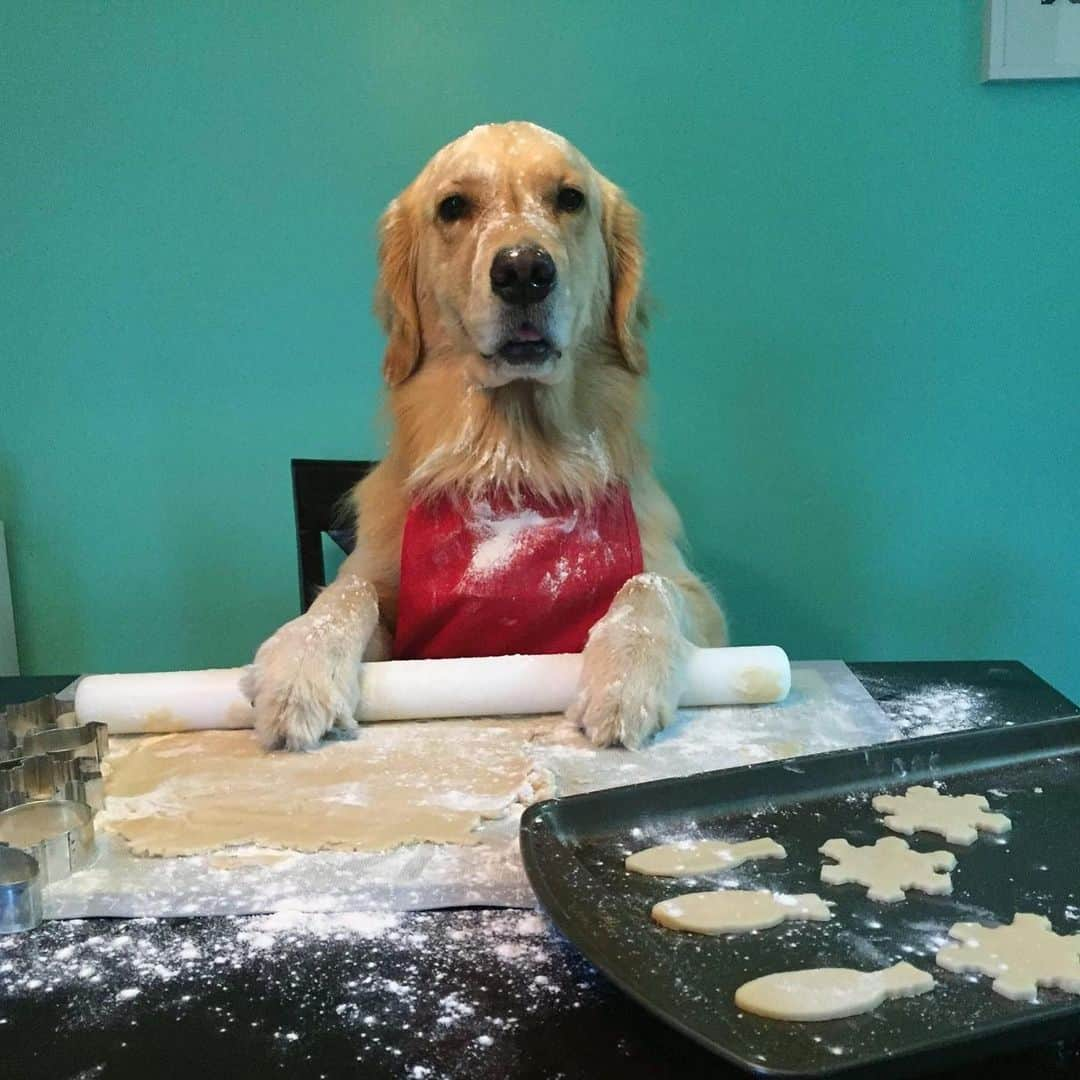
(574, 850)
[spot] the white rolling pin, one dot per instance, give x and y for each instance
(165, 701)
(420, 689)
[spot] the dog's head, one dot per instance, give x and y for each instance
(511, 251)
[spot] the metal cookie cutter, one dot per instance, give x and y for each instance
(46, 753)
(20, 891)
(58, 834)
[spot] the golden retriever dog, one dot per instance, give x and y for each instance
(510, 282)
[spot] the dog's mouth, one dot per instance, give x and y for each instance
(525, 345)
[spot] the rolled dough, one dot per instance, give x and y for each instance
(732, 911)
(829, 993)
(1022, 957)
(959, 818)
(397, 783)
(689, 857)
(887, 868)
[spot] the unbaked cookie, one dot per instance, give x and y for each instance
(689, 857)
(959, 818)
(888, 868)
(733, 911)
(829, 993)
(1022, 957)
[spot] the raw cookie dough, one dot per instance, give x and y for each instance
(829, 993)
(395, 784)
(888, 868)
(690, 857)
(1022, 956)
(733, 911)
(958, 818)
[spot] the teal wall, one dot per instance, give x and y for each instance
(865, 365)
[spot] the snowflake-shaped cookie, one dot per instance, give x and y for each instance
(888, 868)
(1023, 956)
(958, 818)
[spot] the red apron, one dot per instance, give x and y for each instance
(488, 578)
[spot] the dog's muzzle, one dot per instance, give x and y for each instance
(522, 277)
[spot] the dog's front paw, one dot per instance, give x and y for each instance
(614, 713)
(627, 692)
(633, 665)
(300, 687)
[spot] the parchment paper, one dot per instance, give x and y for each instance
(828, 709)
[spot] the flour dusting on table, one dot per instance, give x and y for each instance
(936, 708)
(397, 975)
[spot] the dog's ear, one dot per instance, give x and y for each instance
(626, 263)
(395, 292)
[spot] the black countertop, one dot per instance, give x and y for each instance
(463, 993)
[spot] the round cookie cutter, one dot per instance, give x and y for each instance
(58, 834)
(20, 891)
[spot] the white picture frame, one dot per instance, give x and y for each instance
(1031, 39)
(9, 655)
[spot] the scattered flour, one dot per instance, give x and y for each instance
(364, 925)
(578, 568)
(937, 708)
(462, 981)
(817, 717)
(454, 1009)
(502, 537)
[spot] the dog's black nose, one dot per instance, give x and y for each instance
(522, 275)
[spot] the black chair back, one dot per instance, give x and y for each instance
(320, 490)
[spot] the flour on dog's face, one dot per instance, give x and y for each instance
(510, 272)
(507, 180)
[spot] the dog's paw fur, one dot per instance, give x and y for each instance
(622, 708)
(632, 667)
(305, 679)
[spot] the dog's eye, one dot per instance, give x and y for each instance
(570, 200)
(453, 207)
